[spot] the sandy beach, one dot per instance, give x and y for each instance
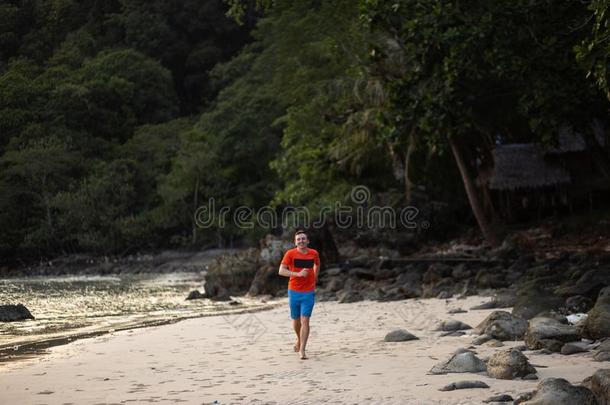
(248, 358)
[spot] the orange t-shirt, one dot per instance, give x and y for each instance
(297, 261)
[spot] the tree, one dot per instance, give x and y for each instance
(31, 175)
(594, 50)
(466, 64)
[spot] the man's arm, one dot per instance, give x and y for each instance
(284, 271)
(316, 270)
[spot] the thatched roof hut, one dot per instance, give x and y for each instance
(522, 166)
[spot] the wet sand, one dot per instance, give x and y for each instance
(249, 358)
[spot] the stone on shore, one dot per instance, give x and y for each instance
(399, 335)
(557, 391)
(574, 347)
(508, 365)
(466, 362)
(12, 313)
(452, 325)
(502, 325)
(195, 295)
(460, 385)
(499, 398)
(548, 333)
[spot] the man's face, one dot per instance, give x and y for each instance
(301, 240)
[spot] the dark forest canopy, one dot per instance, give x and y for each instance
(118, 119)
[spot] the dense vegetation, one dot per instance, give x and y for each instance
(119, 118)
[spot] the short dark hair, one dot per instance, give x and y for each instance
(299, 232)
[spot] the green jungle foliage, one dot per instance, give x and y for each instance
(120, 118)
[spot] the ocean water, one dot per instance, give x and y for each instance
(71, 307)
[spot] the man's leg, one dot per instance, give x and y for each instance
(304, 335)
(306, 310)
(295, 314)
(296, 324)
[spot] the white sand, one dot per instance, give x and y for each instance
(249, 359)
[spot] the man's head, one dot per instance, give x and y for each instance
(300, 239)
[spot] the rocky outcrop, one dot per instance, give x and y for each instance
(491, 278)
(347, 296)
(533, 300)
(231, 274)
(11, 313)
(508, 365)
(589, 284)
(597, 324)
(266, 281)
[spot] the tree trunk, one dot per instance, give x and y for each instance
(408, 184)
(195, 202)
(475, 204)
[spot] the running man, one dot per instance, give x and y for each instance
(302, 265)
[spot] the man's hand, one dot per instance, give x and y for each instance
(303, 273)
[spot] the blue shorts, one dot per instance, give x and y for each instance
(301, 303)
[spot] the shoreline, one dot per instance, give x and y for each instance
(248, 358)
(12, 352)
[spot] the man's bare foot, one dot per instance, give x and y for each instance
(304, 356)
(297, 346)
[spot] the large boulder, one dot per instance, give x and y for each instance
(600, 385)
(509, 364)
(597, 324)
(232, 274)
(574, 347)
(11, 313)
(557, 391)
(502, 325)
(532, 300)
(266, 281)
(548, 333)
(465, 362)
